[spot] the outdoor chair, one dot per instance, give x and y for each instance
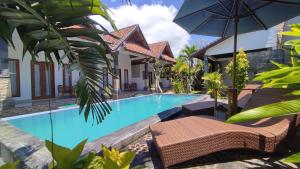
(133, 87)
(62, 90)
(206, 107)
(126, 86)
(190, 137)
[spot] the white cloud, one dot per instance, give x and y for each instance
(155, 21)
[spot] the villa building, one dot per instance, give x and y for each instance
(260, 46)
(23, 80)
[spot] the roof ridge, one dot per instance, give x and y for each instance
(122, 40)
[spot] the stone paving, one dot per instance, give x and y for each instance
(233, 159)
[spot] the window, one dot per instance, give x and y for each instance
(67, 78)
(135, 71)
(14, 69)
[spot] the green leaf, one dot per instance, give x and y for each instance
(291, 78)
(279, 65)
(295, 158)
(65, 157)
(122, 159)
(294, 93)
(271, 110)
(10, 165)
(275, 73)
(125, 159)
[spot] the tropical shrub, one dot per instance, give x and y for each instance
(70, 158)
(213, 84)
(183, 74)
(190, 69)
(242, 66)
(178, 87)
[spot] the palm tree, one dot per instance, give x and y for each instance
(186, 56)
(213, 83)
(60, 29)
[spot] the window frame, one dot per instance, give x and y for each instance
(17, 62)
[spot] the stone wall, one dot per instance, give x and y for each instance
(259, 62)
(5, 91)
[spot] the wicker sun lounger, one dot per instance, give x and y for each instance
(206, 107)
(195, 136)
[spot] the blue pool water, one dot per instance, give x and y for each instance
(71, 128)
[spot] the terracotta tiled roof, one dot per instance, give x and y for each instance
(158, 48)
(168, 58)
(136, 48)
(118, 36)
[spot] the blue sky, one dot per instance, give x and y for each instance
(160, 27)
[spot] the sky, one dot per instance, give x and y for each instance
(155, 18)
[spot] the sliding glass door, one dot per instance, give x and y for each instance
(42, 80)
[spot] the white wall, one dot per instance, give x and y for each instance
(124, 63)
(247, 41)
(25, 69)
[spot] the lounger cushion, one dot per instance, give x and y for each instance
(191, 137)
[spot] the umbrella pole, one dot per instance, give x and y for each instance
(232, 97)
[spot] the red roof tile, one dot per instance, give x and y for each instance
(158, 49)
(118, 36)
(155, 49)
(168, 58)
(136, 48)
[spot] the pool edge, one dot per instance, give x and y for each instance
(16, 144)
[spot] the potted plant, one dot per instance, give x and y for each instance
(213, 83)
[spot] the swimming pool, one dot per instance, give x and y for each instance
(71, 128)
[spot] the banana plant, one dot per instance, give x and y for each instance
(285, 76)
(70, 158)
(61, 29)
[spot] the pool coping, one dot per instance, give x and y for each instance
(16, 144)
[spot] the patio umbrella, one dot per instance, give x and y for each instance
(223, 18)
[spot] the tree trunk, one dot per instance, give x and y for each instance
(157, 85)
(216, 101)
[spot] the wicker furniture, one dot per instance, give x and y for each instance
(195, 136)
(206, 107)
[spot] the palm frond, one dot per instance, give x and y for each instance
(284, 108)
(61, 29)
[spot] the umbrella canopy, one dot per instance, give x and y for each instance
(216, 17)
(225, 18)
